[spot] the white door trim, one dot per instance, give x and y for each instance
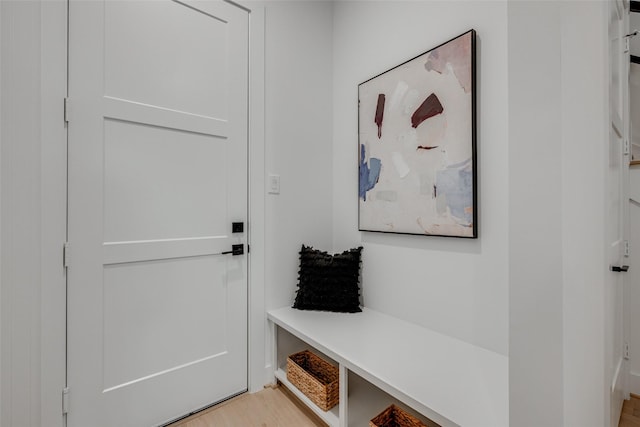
(259, 367)
(54, 210)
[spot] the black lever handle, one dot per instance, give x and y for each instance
(620, 268)
(235, 250)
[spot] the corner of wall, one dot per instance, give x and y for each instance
(298, 140)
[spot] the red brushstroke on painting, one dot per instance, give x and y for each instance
(429, 108)
(380, 113)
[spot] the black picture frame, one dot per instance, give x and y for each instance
(417, 138)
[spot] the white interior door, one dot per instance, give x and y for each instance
(615, 367)
(157, 315)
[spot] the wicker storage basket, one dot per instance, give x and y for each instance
(315, 378)
(395, 417)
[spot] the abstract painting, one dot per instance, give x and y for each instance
(417, 144)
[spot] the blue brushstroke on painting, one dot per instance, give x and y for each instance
(369, 173)
(455, 184)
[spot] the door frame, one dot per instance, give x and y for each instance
(619, 388)
(54, 208)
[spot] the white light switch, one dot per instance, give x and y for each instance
(274, 184)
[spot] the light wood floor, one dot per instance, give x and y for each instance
(630, 416)
(278, 408)
(267, 408)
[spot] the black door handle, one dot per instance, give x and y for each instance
(620, 269)
(235, 250)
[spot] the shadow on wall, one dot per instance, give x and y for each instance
(441, 244)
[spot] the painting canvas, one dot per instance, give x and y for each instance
(417, 151)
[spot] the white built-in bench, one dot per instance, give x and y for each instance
(384, 360)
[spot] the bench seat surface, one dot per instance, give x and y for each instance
(439, 376)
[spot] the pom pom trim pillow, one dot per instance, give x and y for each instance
(329, 282)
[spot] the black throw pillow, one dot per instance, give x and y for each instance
(329, 282)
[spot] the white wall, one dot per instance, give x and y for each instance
(454, 286)
(298, 134)
(33, 211)
(557, 201)
(585, 202)
(298, 138)
(535, 227)
(20, 227)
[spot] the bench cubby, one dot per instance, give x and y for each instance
(384, 360)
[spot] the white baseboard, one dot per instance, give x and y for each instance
(261, 379)
(634, 383)
(616, 377)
